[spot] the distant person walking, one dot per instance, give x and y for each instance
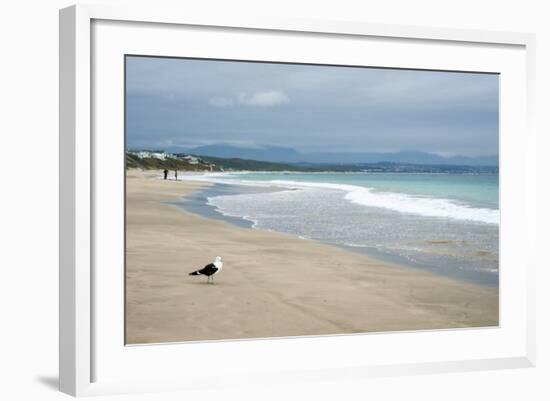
(165, 174)
(176, 174)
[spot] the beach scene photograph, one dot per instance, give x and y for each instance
(270, 199)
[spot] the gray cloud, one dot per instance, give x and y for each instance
(220, 101)
(311, 108)
(261, 99)
(264, 99)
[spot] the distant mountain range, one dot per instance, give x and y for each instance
(278, 154)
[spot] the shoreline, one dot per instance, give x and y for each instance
(327, 290)
(196, 203)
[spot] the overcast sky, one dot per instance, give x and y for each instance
(188, 103)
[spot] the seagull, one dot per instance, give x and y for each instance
(209, 270)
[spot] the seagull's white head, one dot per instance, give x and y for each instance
(218, 262)
(218, 258)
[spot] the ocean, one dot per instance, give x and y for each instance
(444, 223)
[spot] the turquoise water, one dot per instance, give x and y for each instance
(475, 190)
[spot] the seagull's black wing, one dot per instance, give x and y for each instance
(207, 270)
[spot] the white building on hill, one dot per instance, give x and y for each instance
(191, 159)
(144, 154)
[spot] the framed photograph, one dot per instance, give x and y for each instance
(290, 200)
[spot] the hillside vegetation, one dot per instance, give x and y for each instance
(209, 163)
(151, 163)
(253, 165)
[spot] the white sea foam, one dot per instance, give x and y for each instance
(423, 206)
(399, 202)
(211, 201)
(226, 178)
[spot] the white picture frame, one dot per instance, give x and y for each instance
(84, 352)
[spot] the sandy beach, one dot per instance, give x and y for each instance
(272, 285)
